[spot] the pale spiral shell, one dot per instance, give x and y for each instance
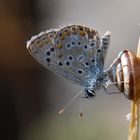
(125, 71)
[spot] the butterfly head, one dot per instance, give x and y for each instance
(89, 93)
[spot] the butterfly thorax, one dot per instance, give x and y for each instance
(97, 83)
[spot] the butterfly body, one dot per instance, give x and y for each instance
(74, 52)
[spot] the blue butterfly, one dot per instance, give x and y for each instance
(74, 52)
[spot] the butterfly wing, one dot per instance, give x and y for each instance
(73, 52)
(43, 49)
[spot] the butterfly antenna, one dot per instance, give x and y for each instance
(69, 103)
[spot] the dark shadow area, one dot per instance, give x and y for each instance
(22, 79)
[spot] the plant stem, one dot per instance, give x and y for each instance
(134, 122)
(133, 133)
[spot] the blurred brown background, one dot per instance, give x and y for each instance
(30, 95)
(22, 82)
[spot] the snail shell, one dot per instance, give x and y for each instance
(125, 72)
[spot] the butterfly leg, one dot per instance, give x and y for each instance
(107, 85)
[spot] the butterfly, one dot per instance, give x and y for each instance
(74, 52)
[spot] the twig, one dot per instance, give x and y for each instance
(133, 133)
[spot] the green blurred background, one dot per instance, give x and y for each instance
(31, 96)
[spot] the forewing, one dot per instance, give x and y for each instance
(43, 49)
